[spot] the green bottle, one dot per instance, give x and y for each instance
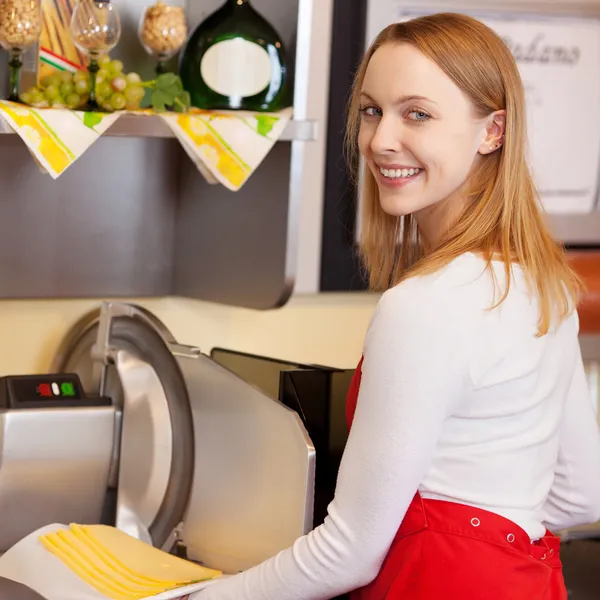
(235, 60)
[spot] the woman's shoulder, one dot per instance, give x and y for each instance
(453, 297)
(460, 285)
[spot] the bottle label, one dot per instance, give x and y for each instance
(236, 68)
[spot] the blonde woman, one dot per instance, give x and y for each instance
(473, 435)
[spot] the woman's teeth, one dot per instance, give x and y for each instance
(398, 173)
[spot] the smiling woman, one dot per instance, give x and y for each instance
(434, 133)
(472, 431)
(443, 95)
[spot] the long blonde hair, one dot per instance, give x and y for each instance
(502, 216)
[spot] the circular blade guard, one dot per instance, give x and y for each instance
(154, 464)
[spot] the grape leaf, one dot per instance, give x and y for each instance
(173, 91)
(170, 84)
(168, 93)
(167, 79)
(170, 88)
(160, 100)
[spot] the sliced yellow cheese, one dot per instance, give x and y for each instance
(119, 565)
(50, 545)
(109, 560)
(100, 569)
(145, 560)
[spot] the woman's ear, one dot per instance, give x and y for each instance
(494, 138)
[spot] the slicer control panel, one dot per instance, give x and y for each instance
(58, 390)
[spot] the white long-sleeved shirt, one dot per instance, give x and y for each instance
(462, 403)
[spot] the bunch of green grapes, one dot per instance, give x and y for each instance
(60, 90)
(115, 90)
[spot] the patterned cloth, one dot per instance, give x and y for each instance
(226, 146)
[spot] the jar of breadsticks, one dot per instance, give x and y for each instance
(163, 31)
(20, 28)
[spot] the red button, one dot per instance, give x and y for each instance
(44, 389)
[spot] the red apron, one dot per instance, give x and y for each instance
(450, 551)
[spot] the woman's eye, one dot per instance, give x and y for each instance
(371, 111)
(418, 115)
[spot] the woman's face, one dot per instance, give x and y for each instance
(419, 135)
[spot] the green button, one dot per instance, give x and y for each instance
(67, 389)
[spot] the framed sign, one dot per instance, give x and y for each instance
(559, 61)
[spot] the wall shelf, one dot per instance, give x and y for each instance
(154, 127)
(134, 216)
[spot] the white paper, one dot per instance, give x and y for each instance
(29, 563)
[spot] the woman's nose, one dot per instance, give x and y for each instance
(387, 137)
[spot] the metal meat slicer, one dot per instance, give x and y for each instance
(135, 430)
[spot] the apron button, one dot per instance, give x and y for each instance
(510, 538)
(475, 522)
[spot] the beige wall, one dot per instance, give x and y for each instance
(326, 328)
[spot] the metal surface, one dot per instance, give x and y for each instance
(145, 377)
(54, 468)
(254, 471)
(90, 320)
(252, 463)
(104, 228)
(231, 247)
(313, 96)
(146, 450)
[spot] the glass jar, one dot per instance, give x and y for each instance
(20, 28)
(162, 32)
(96, 30)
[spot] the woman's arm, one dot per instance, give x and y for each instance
(575, 495)
(414, 374)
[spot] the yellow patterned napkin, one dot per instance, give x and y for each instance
(226, 147)
(55, 137)
(230, 145)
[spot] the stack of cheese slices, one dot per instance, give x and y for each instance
(97, 562)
